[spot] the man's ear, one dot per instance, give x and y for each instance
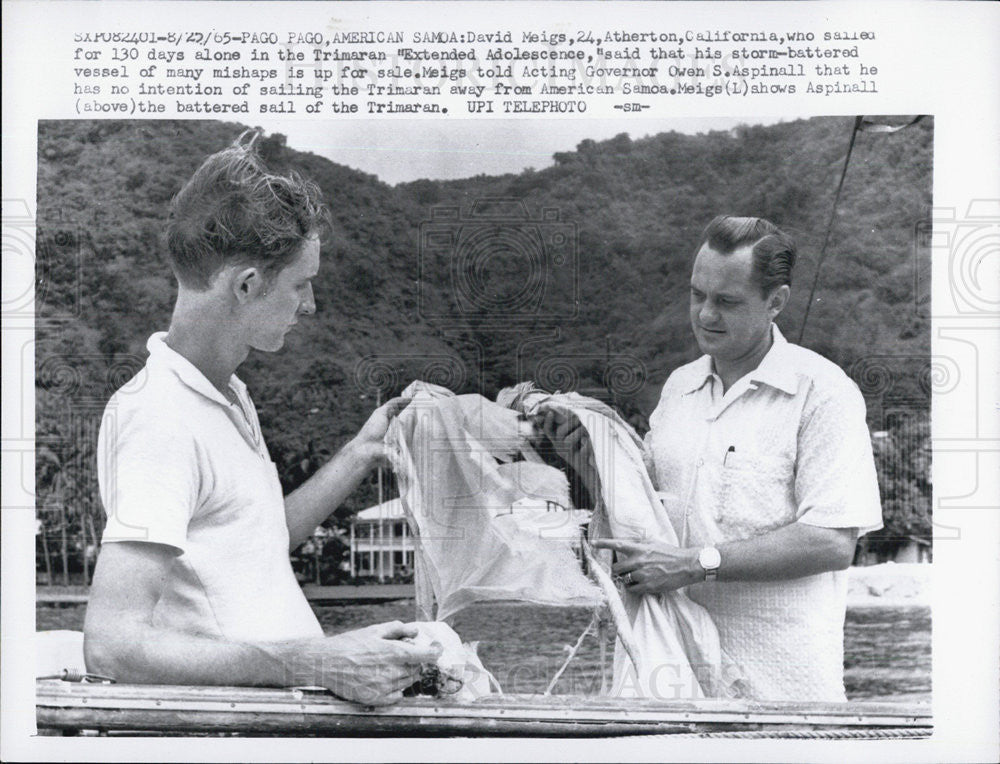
(247, 284)
(778, 300)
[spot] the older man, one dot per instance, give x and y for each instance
(194, 584)
(763, 457)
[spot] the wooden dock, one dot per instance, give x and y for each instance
(122, 709)
(50, 595)
(335, 595)
(322, 595)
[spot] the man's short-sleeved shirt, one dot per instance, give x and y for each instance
(786, 443)
(180, 465)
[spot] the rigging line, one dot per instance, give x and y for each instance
(572, 654)
(829, 227)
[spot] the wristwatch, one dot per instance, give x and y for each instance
(710, 560)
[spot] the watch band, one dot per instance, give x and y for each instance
(710, 560)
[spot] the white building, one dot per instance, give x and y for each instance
(381, 544)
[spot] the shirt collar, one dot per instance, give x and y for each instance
(701, 372)
(161, 354)
(775, 369)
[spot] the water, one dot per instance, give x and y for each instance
(887, 653)
(887, 649)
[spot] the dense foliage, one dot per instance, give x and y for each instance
(606, 315)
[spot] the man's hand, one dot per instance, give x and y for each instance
(572, 445)
(653, 567)
(372, 665)
(368, 441)
(792, 551)
(313, 501)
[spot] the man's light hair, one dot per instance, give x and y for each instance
(234, 211)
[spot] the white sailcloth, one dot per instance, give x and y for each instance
(679, 655)
(487, 529)
(490, 528)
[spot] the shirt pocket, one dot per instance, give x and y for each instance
(756, 494)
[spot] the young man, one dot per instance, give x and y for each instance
(761, 451)
(194, 584)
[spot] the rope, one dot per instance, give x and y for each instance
(75, 675)
(829, 226)
(861, 125)
(572, 654)
(891, 733)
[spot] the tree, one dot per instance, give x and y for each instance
(636, 207)
(902, 461)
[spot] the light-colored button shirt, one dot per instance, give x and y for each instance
(786, 443)
(180, 465)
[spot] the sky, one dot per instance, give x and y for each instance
(399, 151)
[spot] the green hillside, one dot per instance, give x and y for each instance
(635, 206)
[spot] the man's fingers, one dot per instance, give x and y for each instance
(550, 424)
(396, 696)
(414, 655)
(568, 428)
(394, 406)
(386, 699)
(566, 433)
(576, 439)
(374, 688)
(618, 545)
(626, 565)
(396, 630)
(558, 422)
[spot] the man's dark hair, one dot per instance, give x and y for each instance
(773, 249)
(233, 210)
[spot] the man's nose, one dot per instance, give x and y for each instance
(708, 314)
(308, 305)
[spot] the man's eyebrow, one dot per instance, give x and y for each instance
(723, 295)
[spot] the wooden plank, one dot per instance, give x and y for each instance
(54, 598)
(283, 724)
(313, 593)
(245, 710)
(370, 592)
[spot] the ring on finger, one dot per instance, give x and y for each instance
(627, 579)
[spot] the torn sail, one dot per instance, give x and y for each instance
(679, 654)
(489, 528)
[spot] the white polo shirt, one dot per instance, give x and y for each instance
(788, 442)
(180, 465)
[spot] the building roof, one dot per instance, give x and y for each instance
(387, 510)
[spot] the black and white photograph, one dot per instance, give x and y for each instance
(642, 428)
(412, 381)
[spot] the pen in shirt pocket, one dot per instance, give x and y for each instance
(725, 459)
